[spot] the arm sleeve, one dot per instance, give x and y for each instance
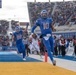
(33, 28)
(51, 21)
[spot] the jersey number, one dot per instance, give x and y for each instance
(19, 36)
(45, 25)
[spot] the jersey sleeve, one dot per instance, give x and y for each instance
(51, 20)
(36, 24)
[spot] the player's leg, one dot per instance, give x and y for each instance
(27, 51)
(48, 47)
(52, 48)
(51, 43)
(31, 48)
(18, 49)
(22, 46)
(38, 49)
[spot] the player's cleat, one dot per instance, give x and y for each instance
(24, 58)
(54, 62)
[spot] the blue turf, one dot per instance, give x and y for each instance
(11, 57)
(67, 57)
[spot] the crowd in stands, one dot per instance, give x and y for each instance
(62, 12)
(4, 42)
(13, 24)
(4, 25)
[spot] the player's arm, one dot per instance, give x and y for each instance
(34, 27)
(13, 38)
(52, 25)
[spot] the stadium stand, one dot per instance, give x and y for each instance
(4, 24)
(13, 24)
(63, 13)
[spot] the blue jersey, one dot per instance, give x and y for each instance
(45, 26)
(18, 36)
